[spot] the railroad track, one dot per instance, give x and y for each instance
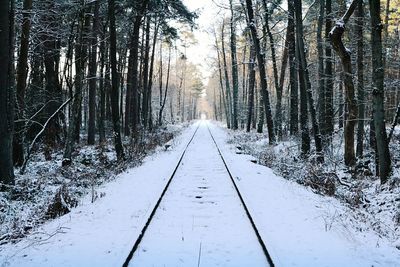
(130, 258)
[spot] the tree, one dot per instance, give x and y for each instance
(22, 75)
(344, 54)
(80, 54)
(294, 91)
(114, 83)
(360, 78)
(235, 79)
(262, 73)
(6, 95)
(378, 91)
(328, 123)
(93, 74)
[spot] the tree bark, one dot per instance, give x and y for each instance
(262, 72)
(114, 81)
(6, 96)
(93, 75)
(22, 75)
(321, 62)
(360, 78)
(227, 84)
(304, 78)
(278, 88)
(252, 81)
(294, 91)
(146, 62)
(327, 129)
(52, 87)
(163, 100)
(77, 99)
(345, 56)
(235, 76)
(378, 92)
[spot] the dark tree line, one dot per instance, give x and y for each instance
(81, 71)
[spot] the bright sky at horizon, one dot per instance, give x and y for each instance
(202, 52)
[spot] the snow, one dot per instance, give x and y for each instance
(102, 233)
(299, 227)
(201, 209)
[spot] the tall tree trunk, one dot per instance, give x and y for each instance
(252, 81)
(262, 72)
(360, 75)
(221, 85)
(344, 54)
(304, 78)
(77, 97)
(132, 101)
(146, 62)
(102, 88)
(294, 91)
(321, 78)
(235, 76)
(52, 87)
(378, 91)
(93, 76)
(150, 83)
(386, 30)
(278, 88)
(114, 81)
(227, 84)
(327, 129)
(22, 75)
(6, 95)
(166, 89)
(305, 136)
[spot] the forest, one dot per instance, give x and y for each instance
(89, 88)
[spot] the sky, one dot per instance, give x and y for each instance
(203, 52)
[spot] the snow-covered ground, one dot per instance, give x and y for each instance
(300, 228)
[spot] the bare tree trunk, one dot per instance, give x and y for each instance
(150, 83)
(166, 88)
(344, 54)
(321, 79)
(235, 79)
(22, 75)
(227, 84)
(278, 88)
(114, 91)
(252, 81)
(294, 91)
(304, 75)
(328, 99)
(6, 94)
(378, 92)
(77, 99)
(262, 73)
(221, 86)
(360, 74)
(93, 76)
(305, 136)
(145, 98)
(132, 101)
(102, 89)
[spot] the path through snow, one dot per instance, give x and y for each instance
(298, 227)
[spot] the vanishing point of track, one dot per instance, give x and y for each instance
(154, 210)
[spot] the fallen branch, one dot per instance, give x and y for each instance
(28, 154)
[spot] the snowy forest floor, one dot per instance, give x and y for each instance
(47, 190)
(372, 205)
(341, 225)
